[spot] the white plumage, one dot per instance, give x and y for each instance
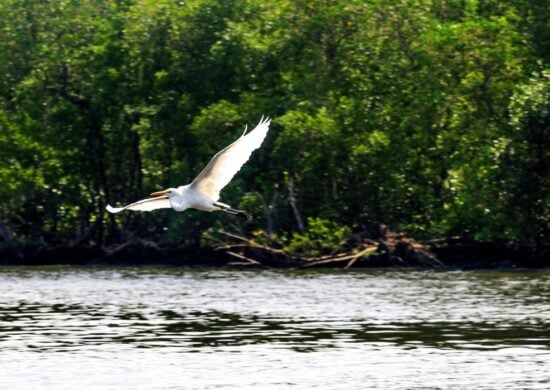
(204, 192)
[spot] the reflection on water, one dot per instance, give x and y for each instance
(59, 327)
(384, 328)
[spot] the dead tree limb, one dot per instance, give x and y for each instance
(253, 244)
(366, 252)
(242, 257)
(350, 258)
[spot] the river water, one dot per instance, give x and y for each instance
(171, 328)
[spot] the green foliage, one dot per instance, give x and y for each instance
(321, 236)
(430, 117)
(524, 168)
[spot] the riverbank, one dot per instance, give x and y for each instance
(390, 250)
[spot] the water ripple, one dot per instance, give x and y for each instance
(47, 327)
(338, 330)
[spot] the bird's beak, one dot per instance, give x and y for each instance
(160, 193)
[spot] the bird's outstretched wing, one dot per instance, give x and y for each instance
(227, 162)
(161, 202)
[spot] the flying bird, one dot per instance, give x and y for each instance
(204, 192)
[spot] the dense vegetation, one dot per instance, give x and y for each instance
(429, 116)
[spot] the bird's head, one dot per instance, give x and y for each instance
(168, 191)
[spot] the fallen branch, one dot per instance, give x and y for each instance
(242, 257)
(254, 244)
(328, 257)
(366, 252)
(230, 246)
(351, 258)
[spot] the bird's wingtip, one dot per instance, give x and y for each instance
(111, 209)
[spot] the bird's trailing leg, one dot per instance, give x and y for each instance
(228, 209)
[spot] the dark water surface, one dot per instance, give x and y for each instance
(168, 328)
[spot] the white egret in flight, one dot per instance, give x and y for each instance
(204, 192)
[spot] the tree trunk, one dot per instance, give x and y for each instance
(293, 205)
(7, 235)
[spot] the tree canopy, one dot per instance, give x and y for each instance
(430, 116)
